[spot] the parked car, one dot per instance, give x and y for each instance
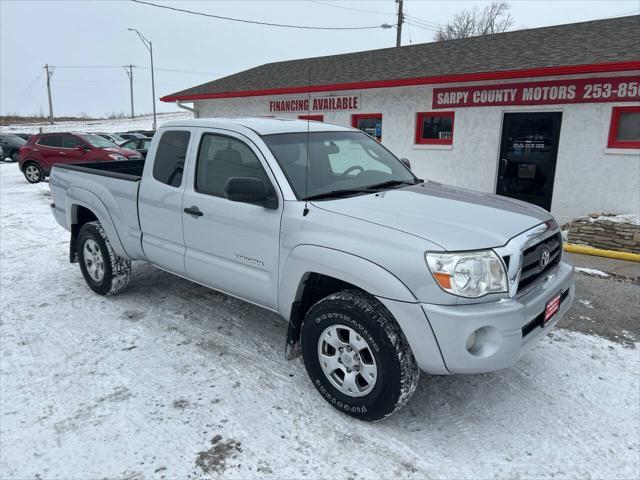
(129, 135)
(24, 136)
(112, 137)
(42, 151)
(146, 133)
(141, 145)
(11, 145)
(379, 273)
(1, 154)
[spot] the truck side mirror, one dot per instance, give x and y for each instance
(406, 162)
(249, 190)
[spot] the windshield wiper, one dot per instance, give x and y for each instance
(338, 193)
(369, 189)
(392, 183)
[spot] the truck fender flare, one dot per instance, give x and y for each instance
(80, 197)
(304, 260)
(360, 272)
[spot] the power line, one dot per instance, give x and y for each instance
(387, 14)
(170, 70)
(24, 96)
(254, 22)
(421, 24)
(431, 29)
(426, 23)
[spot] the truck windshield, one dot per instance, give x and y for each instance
(98, 141)
(340, 163)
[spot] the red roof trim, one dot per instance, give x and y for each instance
(403, 82)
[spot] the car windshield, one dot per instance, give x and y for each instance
(340, 163)
(13, 139)
(98, 141)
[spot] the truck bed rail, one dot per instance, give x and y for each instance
(130, 170)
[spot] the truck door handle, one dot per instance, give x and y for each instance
(193, 210)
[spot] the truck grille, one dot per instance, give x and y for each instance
(533, 264)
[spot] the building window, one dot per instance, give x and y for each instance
(370, 123)
(434, 128)
(317, 118)
(625, 128)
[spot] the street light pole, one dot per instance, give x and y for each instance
(149, 45)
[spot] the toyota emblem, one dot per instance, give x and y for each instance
(545, 257)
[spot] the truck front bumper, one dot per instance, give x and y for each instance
(485, 337)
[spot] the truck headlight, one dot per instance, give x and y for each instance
(116, 157)
(468, 274)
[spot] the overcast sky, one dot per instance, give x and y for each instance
(94, 33)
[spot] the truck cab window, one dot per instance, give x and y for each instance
(221, 158)
(170, 157)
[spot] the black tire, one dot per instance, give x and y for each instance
(33, 172)
(115, 271)
(397, 371)
(14, 155)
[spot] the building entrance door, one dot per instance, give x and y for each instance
(528, 153)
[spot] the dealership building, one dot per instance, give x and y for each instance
(548, 115)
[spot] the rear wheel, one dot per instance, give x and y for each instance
(357, 356)
(33, 172)
(105, 272)
(14, 155)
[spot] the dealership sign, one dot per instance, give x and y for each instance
(315, 104)
(614, 89)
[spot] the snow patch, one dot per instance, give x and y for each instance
(99, 125)
(633, 219)
(592, 271)
(208, 382)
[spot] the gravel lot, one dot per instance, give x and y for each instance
(171, 380)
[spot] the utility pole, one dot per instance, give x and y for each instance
(129, 70)
(400, 22)
(149, 45)
(49, 71)
(153, 86)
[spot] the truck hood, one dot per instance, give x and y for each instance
(454, 218)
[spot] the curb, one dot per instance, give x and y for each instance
(598, 252)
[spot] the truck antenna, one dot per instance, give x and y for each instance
(305, 212)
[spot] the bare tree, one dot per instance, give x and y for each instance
(493, 18)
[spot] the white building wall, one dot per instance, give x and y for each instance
(589, 177)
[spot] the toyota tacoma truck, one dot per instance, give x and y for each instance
(379, 274)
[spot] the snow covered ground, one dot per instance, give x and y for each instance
(172, 380)
(102, 125)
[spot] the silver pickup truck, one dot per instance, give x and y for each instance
(380, 274)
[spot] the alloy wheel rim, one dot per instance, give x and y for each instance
(32, 173)
(93, 260)
(347, 360)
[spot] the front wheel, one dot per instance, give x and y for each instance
(357, 356)
(105, 272)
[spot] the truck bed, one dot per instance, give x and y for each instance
(130, 170)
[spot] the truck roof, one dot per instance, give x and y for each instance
(260, 125)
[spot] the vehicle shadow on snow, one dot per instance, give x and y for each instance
(215, 322)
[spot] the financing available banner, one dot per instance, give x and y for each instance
(315, 104)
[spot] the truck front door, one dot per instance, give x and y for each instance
(230, 246)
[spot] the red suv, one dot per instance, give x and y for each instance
(45, 150)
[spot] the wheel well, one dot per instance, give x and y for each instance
(27, 162)
(81, 216)
(312, 288)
